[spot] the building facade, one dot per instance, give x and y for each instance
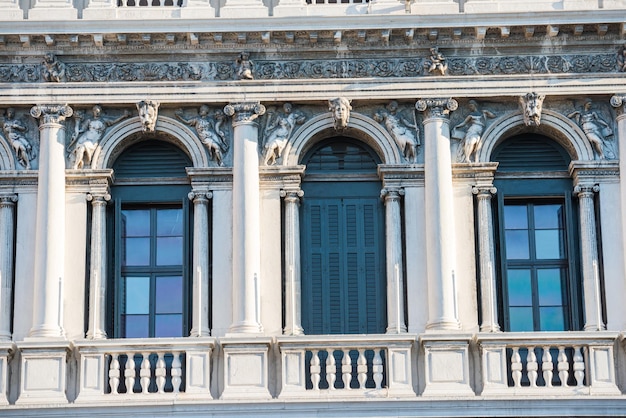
(226, 208)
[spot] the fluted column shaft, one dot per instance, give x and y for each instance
(246, 218)
(487, 257)
(7, 228)
(200, 302)
(440, 234)
(49, 254)
(98, 267)
(589, 258)
(293, 283)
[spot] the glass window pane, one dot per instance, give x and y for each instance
(551, 319)
(517, 245)
(519, 288)
(169, 251)
(168, 326)
(136, 252)
(137, 295)
(521, 319)
(169, 222)
(548, 244)
(515, 217)
(135, 223)
(136, 326)
(548, 216)
(549, 287)
(169, 295)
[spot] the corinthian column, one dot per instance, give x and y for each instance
(589, 257)
(486, 253)
(200, 302)
(49, 254)
(440, 235)
(7, 208)
(293, 288)
(246, 218)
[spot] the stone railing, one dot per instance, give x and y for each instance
(150, 3)
(575, 363)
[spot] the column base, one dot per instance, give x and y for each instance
(46, 331)
(204, 332)
(246, 328)
(293, 331)
(443, 325)
(246, 368)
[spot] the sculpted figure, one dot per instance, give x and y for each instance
(340, 108)
(148, 113)
(88, 134)
(280, 129)
(594, 127)
(532, 104)
(405, 133)
(54, 70)
(621, 58)
(13, 130)
(209, 130)
(438, 63)
(244, 67)
(474, 125)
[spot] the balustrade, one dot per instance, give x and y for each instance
(150, 3)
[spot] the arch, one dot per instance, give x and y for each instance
(554, 125)
(130, 131)
(363, 127)
(7, 161)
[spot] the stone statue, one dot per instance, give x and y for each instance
(404, 132)
(437, 63)
(244, 67)
(209, 129)
(532, 104)
(474, 125)
(594, 127)
(621, 58)
(280, 129)
(53, 70)
(13, 131)
(340, 108)
(148, 114)
(88, 134)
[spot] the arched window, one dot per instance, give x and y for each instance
(150, 223)
(342, 240)
(536, 217)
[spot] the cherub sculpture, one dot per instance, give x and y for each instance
(280, 129)
(404, 132)
(14, 132)
(596, 130)
(53, 70)
(244, 67)
(438, 64)
(474, 126)
(208, 126)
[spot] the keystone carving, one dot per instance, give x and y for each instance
(532, 105)
(404, 132)
(278, 129)
(340, 108)
(208, 126)
(148, 114)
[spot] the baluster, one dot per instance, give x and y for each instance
(532, 366)
(129, 373)
(361, 369)
(145, 373)
(315, 369)
(547, 366)
(377, 369)
(346, 369)
(176, 372)
(114, 374)
(159, 372)
(563, 366)
(579, 366)
(162, 3)
(516, 367)
(331, 369)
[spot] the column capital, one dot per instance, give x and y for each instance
(8, 199)
(586, 190)
(98, 197)
(291, 194)
(245, 112)
(200, 195)
(54, 114)
(484, 191)
(437, 108)
(618, 101)
(390, 193)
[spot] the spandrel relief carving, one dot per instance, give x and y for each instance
(405, 132)
(470, 132)
(53, 69)
(621, 58)
(532, 105)
(278, 130)
(209, 126)
(596, 130)
(88, 131)
(14, 131)
(148, 114)
(340, 108)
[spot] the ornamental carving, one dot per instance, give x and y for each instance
(437, 64)
(340, 108)
(244, 67)
(470, 132)
(51, 113)
(278, 129)
(208, 125)
(14, 130)
(621, 58)
(437, 108)
(532, 105)
(404, 132)
(596, 129)
(148, 114)
(53, 69)
(244, 112)
(619, 103)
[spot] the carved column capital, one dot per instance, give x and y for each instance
(8, 200)
(618, 101)
(244, 112)
(292, 195)
(482, 192)
(53, 114)
(586, 190)
(98, 198)
(391, 193)
(198, 196)
(437, 108)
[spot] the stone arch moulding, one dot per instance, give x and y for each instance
(553, 124)
(112, 143)
(322, 126)
(7, 160)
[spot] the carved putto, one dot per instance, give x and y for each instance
(278, 130)
(14, 130)
(87, 135)
(208, 125)
(470, 131)
(437, 63)
(621, 58)
(404, 132)
(53, 70)
(244, 67)
(596, 130)
(340, 108)
(532, 105)
(148, 114)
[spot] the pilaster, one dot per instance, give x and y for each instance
(200, 295)
(293, 284)
(7, 228)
